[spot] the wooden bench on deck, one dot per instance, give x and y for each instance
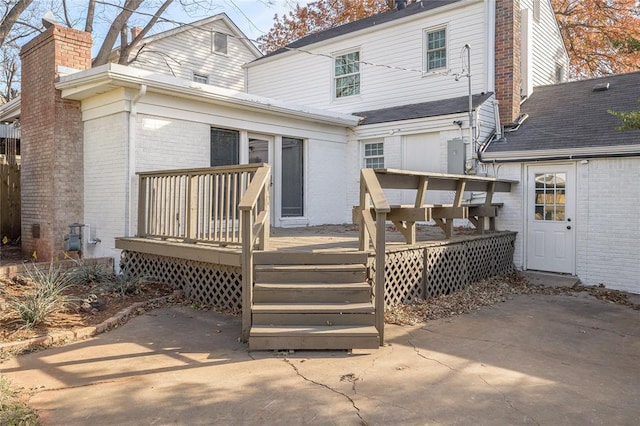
(404, 217)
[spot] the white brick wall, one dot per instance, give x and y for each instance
(606, 223)
(105, 179)
(164, 143)
(326, 183)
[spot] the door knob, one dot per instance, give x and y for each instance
(568, 226)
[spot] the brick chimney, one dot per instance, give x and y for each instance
(135, 31)
(52, 170)
(508, 59)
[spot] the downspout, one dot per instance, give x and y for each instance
(131, 168)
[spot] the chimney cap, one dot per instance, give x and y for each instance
(49, 19)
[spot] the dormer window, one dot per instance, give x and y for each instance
(436, 49)
(347, 74)
(219, 43)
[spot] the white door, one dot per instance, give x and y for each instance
(550, 218)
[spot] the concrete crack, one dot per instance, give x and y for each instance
(508, 401)
(363, 422)
(417, 351)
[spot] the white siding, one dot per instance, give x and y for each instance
(548, 48)
(189, 52)
(606, 222)
(307, 79)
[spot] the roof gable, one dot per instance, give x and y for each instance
(233, 29)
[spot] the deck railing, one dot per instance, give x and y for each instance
(254, 211)
(194, 205)
(372, 195)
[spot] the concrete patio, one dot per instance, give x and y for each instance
(545, 360)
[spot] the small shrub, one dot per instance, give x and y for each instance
(90, 273)
(12, 410)
(125, 284)
(47, 296)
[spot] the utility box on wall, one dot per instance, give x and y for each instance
(455, 156)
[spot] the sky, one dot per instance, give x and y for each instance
(253, 17)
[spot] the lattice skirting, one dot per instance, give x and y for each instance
(206, 283)
(426, 272)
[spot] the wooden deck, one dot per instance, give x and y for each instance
(208, 230)
(323, 238)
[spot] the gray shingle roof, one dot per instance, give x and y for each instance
(422, 110)
(571, 115)
(380, 18)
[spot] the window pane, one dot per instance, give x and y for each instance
(347, 86)
(224, 147)
(347, 64)
(373, 149)
(437, 39)
(374, 163)
(550, 197)
(437, 59)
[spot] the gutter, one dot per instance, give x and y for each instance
(548, 155)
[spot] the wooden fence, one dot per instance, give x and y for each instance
(9, 201)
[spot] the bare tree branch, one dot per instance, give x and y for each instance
(11, 17)
(125, 51)
(91, 10)
(66, 14)
(120, 21)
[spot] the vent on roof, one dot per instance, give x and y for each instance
(601, 87)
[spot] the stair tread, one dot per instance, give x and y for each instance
(317, 267)
(313, 307)
(313, 285)
(297, 330)
(292, 257)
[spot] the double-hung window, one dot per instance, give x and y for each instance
(374, 155)
(436, 43)
(347, 74)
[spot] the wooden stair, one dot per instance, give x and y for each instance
(312, 301)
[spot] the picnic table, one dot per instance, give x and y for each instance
(404, 217)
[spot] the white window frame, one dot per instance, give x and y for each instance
(373, 156)
(426, 50)
(199, 77)
(213, 43)
(336, 77)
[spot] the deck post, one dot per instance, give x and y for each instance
(247, 272)
(381, 219)
(142, 206)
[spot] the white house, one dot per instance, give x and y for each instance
(576, 210)
(392, 90)
(410, 73)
